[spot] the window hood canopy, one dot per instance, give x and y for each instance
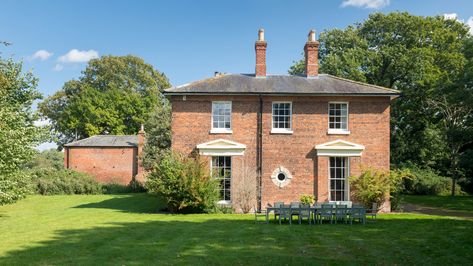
(221, 147)
(339, 148)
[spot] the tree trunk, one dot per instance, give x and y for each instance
(454, 183)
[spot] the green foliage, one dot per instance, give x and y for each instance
(18, 134)
(307, 199)
(374, 186)
(14, 186)
(114, 95)
(48, 159)
(133, 187)
(57, 182)
(424, 181)
(184, 183)
(158, 134)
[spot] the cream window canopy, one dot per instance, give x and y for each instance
(221, 147)
(339, 148)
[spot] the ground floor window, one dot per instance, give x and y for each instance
(339, 179)
(222, 169)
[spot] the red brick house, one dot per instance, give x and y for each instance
(110, 158)
(302, 134)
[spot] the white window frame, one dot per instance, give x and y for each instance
(347, 181)
(338, 131)
(218, 130)
(223, 201)
(281, 130)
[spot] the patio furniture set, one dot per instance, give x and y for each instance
(319, 212)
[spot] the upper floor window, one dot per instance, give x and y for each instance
(282, 117)
(221, 117)
(338, 118)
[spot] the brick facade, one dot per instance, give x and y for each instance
(107, 164)
(368, 122)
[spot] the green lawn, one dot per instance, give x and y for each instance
(457, 203)
(125, 230)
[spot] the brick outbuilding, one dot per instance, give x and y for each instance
(299, 134)
(111, 159)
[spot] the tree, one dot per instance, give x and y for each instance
(158, 134)
(421, 56)
(18, 134)
(114, 95)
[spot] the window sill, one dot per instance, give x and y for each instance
(338, 132)
(224, 202)
(281, 131)
(220, 131)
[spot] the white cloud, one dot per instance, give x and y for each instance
(375, 4)
(469, 22)
(46, 146)
(58, 67)
(41, 55)
(450, 16)
(454, 16)
(76, 56)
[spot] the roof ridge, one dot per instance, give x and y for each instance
(362, 83)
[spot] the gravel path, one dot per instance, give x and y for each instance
(408, 207)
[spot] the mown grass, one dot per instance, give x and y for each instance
(126, 230)
(457, 203)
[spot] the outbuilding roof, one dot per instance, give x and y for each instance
(106, 141)
(245, 84)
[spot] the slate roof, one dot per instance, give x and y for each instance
(245, 84)
(106, 141)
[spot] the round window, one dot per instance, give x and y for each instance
(281, 177)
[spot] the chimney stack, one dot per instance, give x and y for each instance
(260, 48)
(311, 50)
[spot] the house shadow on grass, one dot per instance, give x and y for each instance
(134, 203)
(233, 239)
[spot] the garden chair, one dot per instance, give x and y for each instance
(277, 205)
(295, 209)
(326, 212)
(373, 211)
(260, 214)
(305, 212)
(341, 213)
(285, 212)
(357, 213)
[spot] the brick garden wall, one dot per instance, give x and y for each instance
(107, 164)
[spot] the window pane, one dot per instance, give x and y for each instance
(221, 113)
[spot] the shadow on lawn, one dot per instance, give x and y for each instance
(233, 239)
(135, 203)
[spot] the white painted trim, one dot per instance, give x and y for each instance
(281, 130)
(341, 129)
(220, 131)
(228, 148)
(212, 118)
(339, 148)
(347, 179)
(338, 132)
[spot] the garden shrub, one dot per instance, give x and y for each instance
(14, 186)
(307, 199)
(134, 186)
(425, 181)
(373, 186)
(184, 183)
(53, 182)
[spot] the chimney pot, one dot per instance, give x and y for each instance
(311, 37)
(261, 35)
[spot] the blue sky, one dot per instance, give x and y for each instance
(186, 40)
